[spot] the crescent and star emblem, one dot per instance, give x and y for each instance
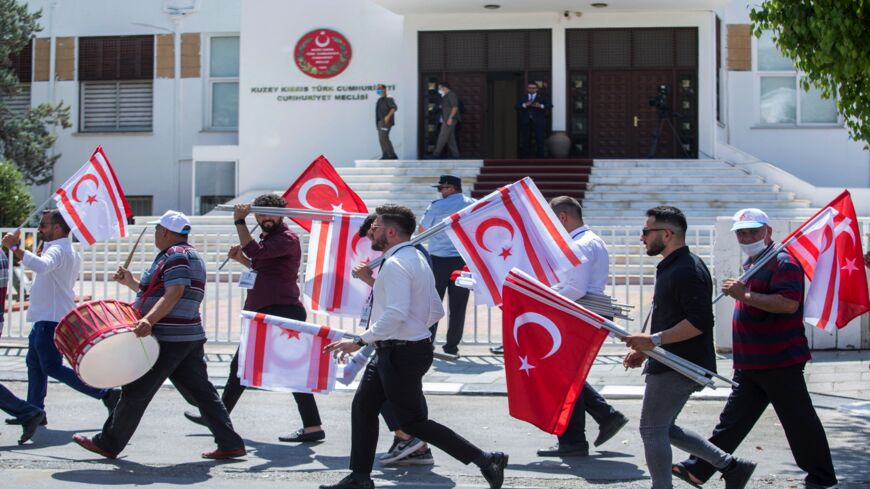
(75, 191)
(319, 43)
(544, 322)
(494, 222)
(307, 186)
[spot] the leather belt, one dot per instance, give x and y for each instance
(395, 343)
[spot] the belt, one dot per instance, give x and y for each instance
(393, 343)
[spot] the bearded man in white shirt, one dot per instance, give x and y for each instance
(405, 304)
(51, 298)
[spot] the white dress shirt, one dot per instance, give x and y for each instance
(52, 295)
(405, 301)
(592, 275)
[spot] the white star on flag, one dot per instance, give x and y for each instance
(526, 366)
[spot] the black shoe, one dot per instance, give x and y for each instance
(497, 350)
(565, 450)
(610, 428)
(494, 470)
(29, 426)
(16, 421)
(737, 474)
(191, 416)
(450, 351)
(111, 400)
(301, 436)
(350, 483)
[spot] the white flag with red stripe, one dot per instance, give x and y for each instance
(828, 246)
(334, 248)
(512, 227)
(283, 354)
(92, 202)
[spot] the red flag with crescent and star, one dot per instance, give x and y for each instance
(511, 227)
(549, 346)
(828, 246)
(320, 187)
(92, 202)
(283, 354)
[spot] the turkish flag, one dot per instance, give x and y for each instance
(549, 346)
(511, 227)
(828, 246)
(92, 202)
(283, 354)
(320, 187)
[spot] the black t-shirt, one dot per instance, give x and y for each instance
(684, 290)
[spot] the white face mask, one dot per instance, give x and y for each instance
(441, 92)
(753, 249)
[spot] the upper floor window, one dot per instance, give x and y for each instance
(117, 83)
(223, 83)
(782, 100)
(22, 66)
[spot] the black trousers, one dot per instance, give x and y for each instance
(457, 299)
(398, 377)
(527, 128)
(590, 401)
(786, 389)
(233, 389)
(182, 363)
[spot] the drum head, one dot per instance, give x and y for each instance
(118, 360)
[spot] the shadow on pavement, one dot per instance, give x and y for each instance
(123, 472)
(595, 469)
(850, 454)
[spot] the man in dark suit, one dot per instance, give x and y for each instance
(532, 110)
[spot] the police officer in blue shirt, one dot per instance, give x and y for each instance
(445, 258)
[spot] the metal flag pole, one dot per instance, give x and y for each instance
(415, 240)
(313, 214)
(35, 212)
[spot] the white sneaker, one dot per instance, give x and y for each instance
(402, 450)
(420, 457)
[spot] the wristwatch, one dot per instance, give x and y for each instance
(359, 341)
(656, 339)
(239, 222)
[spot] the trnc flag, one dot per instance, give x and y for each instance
(828, 246)
(549, 346)
(92, 202)
(281, 354)
(320, 187)
(334, 248)
(511, 227)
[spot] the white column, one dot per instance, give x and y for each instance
(558, 84)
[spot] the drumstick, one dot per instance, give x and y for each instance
(135, 245)
(228, 258)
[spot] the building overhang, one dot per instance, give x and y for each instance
(559, 7)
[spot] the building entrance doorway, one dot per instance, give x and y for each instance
(504, 91)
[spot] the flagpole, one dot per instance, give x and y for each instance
(773, 252)
(415, 240)
(324, 215)
(35, 212)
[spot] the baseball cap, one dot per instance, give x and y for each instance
(449, 180)
(750, 218)
(174, 221)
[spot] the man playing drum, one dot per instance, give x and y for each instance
(168, 296)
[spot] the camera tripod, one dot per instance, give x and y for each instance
(665, 116)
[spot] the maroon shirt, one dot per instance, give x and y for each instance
(275, 258)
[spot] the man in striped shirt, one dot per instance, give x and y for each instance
(168, 297)
(770, 351)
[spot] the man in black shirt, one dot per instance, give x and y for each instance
(682, 323)
(385, 111)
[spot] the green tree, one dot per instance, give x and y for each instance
(25, 139)
(15, 203)
(829, 40)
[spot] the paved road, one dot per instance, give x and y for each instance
(164, 453)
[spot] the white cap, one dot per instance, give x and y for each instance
(174, 221)
(749, 219)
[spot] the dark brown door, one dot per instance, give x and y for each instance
(610, 111)
(645, 117)
(471, 134)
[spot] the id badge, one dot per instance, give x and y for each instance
(248, 279)
(366, 315)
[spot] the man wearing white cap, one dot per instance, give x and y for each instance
(770, 351)
(168, 296)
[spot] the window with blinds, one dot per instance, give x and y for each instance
(117, 106)
(141, 205)
(20, 102)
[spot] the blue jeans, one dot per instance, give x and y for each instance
(14, 406)
(44, 361)
(665, 395)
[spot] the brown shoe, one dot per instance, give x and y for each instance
(88, 444)
(225, 454)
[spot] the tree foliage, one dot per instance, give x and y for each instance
(829, 40)
(15, 203)
(25, 138)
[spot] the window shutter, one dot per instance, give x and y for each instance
(20, 102)
(117, 106)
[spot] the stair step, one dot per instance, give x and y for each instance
(538, 170)
(677, 196)
(537, 162)
(410, 172)
(538, 178)
(729, 182)
(661, 164)
(456, 164)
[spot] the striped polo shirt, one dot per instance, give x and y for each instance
(766, 340)
(177, 265)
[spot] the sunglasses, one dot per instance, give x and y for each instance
(646, 231)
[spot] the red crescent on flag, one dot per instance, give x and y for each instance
(492, 222)
(87, 176)
(314, 182)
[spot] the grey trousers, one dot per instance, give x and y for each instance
(665, 395)
(446, 136)
(387, 150)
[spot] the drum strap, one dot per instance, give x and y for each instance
(157, 278)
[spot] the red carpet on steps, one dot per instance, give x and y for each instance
(553, 177)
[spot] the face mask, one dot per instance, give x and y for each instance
(753, 249)
(441, 92)
(379, 92)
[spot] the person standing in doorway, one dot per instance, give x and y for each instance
(532, 109)
(449, 120)
(385, 111)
